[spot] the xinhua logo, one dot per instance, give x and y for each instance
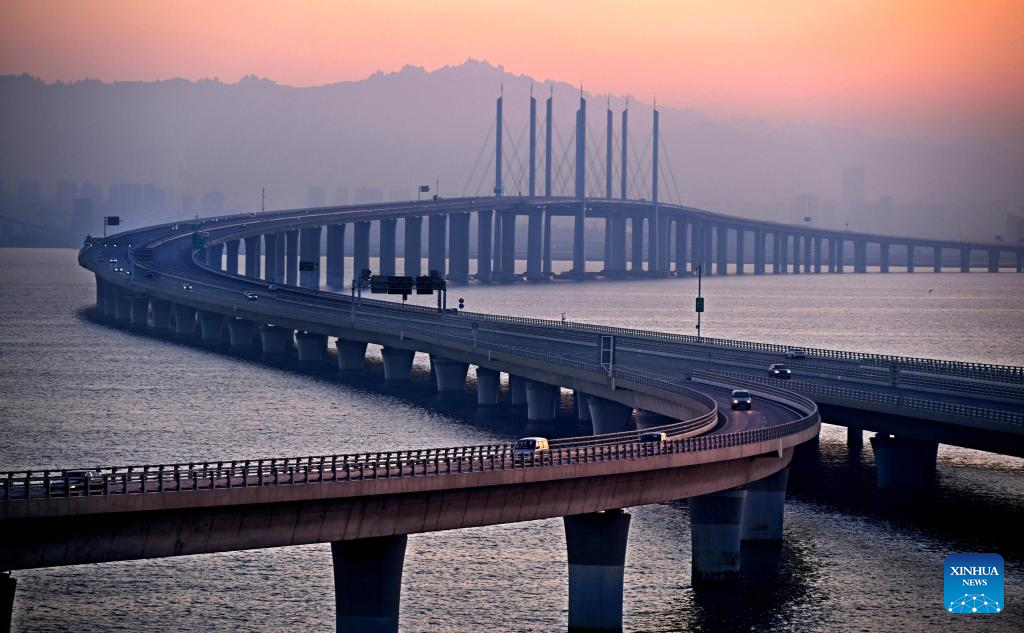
(974, 583)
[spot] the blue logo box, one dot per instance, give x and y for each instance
(974, 583)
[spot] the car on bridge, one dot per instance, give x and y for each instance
(740, 399)
(530, 446)
(251, 296)
(653, 437)
(796, 352)
(778, 370)
(77, 482)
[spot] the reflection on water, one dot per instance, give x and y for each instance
(76, 392)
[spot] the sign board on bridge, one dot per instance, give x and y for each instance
(700, 304)
(143, 254)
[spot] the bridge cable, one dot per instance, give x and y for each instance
(480, 154)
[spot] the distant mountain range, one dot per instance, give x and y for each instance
(402, 129)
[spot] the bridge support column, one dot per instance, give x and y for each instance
(210, 325)
(596, 546)
(1020, 261)
(965, 260)
(437, 226)
(351, 354)
(763, 508)
(241, 332)
(739, 250)
(541, 401)
(122, 305)
(534, 237)
(581, 400)
(252, 257)
(722, 250)
(309, 257)
(517, 390)
(485, 219)
(274, 264)
(310, 347)
(386, 253)
(608, 416)
(993, 261)
(759, 260)
(487, 385)
(139, 311)
(291, 257)
(508, 245)
(548, 272)
(458, 248)
(819, 246)
(910, 258)
(231, 264)
(680, 247)
(215, 256)
(797, 242)
(368, 583)
(637, 255)
(161, 311)
(579, 260)
(184, 320)
(776, 254)
(860, 257)
(413, 251)
(903, 463)
(648, 419)
(8, 584)
(716, 525)
(360, 249)
(808, 249)
(397, 364)
(276, 340)
(883, 248)
(450, 375)
(937, 259)
(854, 438)
(336, 256)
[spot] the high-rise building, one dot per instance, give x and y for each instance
(65, 192)
(83, 218)
(316, 196)
(341, 196)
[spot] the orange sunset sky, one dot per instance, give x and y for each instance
(944, 69)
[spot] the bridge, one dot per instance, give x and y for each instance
(187, 280)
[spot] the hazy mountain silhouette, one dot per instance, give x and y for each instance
(401, 129)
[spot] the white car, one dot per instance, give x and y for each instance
(530, 446)
(796, 352)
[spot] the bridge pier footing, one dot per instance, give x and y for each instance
(608, 416)
(450, 375)
(139, 311)
(310, 346)
(487, 384)
(541, 401)
(903, 463)
(763, 508)
(210, 326)
(161, 315)
(184, 320)
(276, 340)
(648, 419)
(8, 583)
(517, 388)
(596, 545)
(716, 525)
(368, 583)
(241, 332)
(351, 354)
(397, 363)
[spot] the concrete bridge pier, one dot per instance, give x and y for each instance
(517, 389)
(485, 219)
(581, 400)
(508, 245)
(860, 257)
(231, 263)
(368, 583)
(241, 332)
(310, 347)
(759, 259)
(993, 261)
(351, 354)
(122, 306)
(450, 375)
(534, 237)
(819, 247)
(763, 508)
(210, 326)
(965, 260)
(716, 527)
(458, 248)
(840, 256)
(101, 294)
(903, 463)
(854, 438)
(680, 252)
(808, 248)
(910, 258)
(883, 248)
(541, 401)
(161, 315)
(722, 250)
(276, 340)
(487, 385)
(8, 584)
(1020, 261)
(388, 236)
(596, 546)
(437, 226)
(397, 364)
(937, 259)
(637, 255)
(360, 248)
(184, 320)
(648, 419)
(740, 259)
(797, 240)
(608, 416)
(252, 257)
(412, 252)
(139, 311)
(309, 257)
(215, 256)
(291, 257)
(336, 256)
(274, 265)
